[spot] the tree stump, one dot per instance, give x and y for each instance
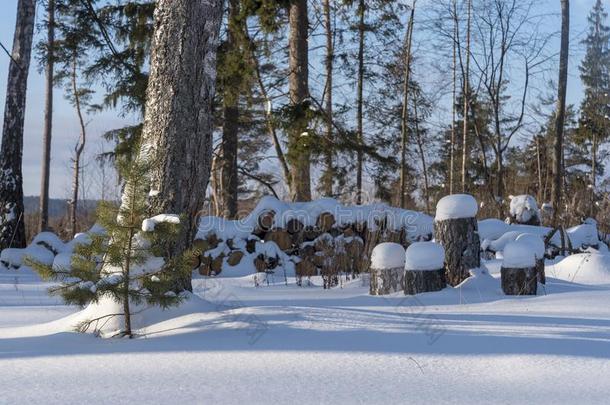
(386, 281)
(540, 272)
(460, 238)
(420, 281)
(519, 281)
(424, 268)
(387, 269)
(519, 269)
(537, 245)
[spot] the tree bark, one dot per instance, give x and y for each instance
(43, 221)
(460, 238)
(453, 100)
(405, 110)
(360, 102)
(519, 281)
(466, 96)
(12, 232)
(78, 151)
(386, 281)
(299, 93)
(228, 175)
(421, 281)
(329, 172)
(177, 132)
(560, 116)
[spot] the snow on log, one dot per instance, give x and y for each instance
(519, 272)
(387, 268)
(537, 245)
(524, 210)
(456, 229)
(424, 268)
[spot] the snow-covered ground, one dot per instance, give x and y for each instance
(236, 343)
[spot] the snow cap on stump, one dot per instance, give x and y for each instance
(388, 255)
(456, 206)
(425, 256)
(519, 255)
(535, 243)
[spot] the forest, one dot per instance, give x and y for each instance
(414, 190)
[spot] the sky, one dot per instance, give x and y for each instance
(66, 129)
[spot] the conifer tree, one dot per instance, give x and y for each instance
(128, 264)
(595, 75)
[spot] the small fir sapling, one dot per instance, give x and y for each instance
(129, 263)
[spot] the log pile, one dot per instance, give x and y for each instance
(309, 245)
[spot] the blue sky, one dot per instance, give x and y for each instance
(66, 129)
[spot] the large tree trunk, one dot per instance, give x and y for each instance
(177, 133)
(228, 175)
(12, 232)
(561, 108)
(43, 222)
(405, 110)
(299, 94)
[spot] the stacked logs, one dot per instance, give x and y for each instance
(315, 248)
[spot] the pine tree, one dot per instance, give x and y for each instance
(128, 264)
(595, 76)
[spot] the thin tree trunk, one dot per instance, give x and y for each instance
(360, 102)
(539, 170)
(12, 232)
(177, 132)
(404, 132)
(453, 101)
(78, 150)
(593, 174)
(328, 177)
(561, 107)
(299, 93)
(269, 114)
(422, 155)
(228, 175)
(466, 96)
(43, 222)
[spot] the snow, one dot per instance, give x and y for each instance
(148, 225)
(519, 254)
(234, 343)
(425, 256)
(590, 268)
(417, 224)
(524, 208)
(535, 242)
(388, 255)
(456, 206)
(492, 228)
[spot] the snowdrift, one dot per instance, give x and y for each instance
(590, 268)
